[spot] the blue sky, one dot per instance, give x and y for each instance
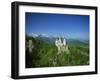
(69, 26)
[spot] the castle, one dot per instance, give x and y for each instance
(61, 45)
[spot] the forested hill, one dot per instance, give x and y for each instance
(44, 53)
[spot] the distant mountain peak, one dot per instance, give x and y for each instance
(39, 35)
(34, 35)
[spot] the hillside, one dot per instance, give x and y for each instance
(44, 53)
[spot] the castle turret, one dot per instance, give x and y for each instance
(61, 45)
(64, 41)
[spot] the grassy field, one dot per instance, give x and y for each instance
(44, 54)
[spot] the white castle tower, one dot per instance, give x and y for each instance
(61, 45)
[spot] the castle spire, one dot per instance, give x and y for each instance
(64, 41)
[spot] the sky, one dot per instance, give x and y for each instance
(66, 25)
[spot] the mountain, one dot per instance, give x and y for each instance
(34, 35)
(51, 39)
(77, 42)
(48, 39)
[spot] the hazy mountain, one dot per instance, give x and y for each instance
(48, 39)
(77, 42)
(51, 39)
